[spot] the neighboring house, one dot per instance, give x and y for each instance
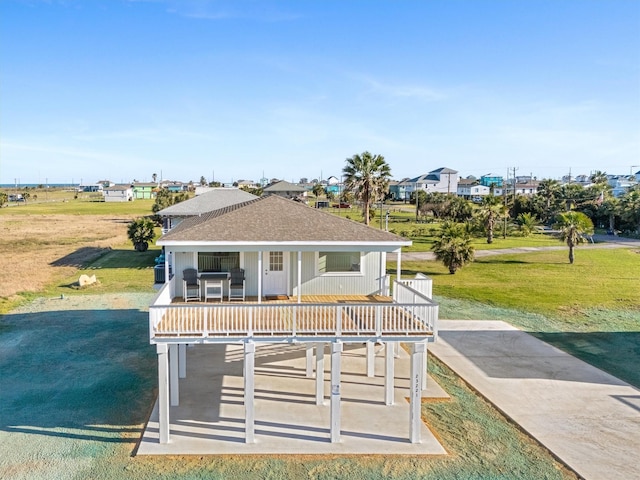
(311, 278)
(443, 180)
(621, 183)
(398, 190)
(285, 189)
(333, 185)
(118, 193)
(471, 189)
(144, 190)
(105, 183)
(523, 188)
(176, 187)
(214, 199)
(491, 179)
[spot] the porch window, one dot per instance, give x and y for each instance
(218, 261)
(329, 262)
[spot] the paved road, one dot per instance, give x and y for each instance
(605, 241)
(586, 417)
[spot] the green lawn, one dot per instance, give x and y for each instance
(590, 309)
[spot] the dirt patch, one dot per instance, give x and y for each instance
(38, 249)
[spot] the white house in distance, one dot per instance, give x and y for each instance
(118, 193)
(307, 277)
(443, 180)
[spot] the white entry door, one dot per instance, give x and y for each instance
(276, 268)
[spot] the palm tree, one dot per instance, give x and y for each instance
(367, 176)
(630, 207)
(573, 226)
(527, 223)
(453, 247)
(318, 190)
(491, 210)
(549, 191)
(141, 232)
(599, 178)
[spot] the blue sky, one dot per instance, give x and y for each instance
(231, 89)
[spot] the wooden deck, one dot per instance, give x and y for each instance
(314, 316)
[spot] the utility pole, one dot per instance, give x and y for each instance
(514, 185)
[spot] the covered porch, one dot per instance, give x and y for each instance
(324, 326)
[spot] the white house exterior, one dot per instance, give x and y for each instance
(311, 277)
(443, 180)
(118, 193)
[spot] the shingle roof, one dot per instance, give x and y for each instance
(276, 219)
(283, 186)
(442, 170)
(207, 202)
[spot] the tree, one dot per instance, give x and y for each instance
(164, 199)
(26, 196)
(549, 192)
(3, 198)
(491, 211)
(573, 227)
(154, 177)
(318, 190)
(630, 208)
(527, 223)
(599, 178)
(141, 232)
(203, 181)
(367, 176)
(453, 247)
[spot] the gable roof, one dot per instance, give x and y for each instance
(214, 199)
(283, 186)
(444, 170)
(426, 178)
(274, 219)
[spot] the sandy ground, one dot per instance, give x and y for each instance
(37, 249)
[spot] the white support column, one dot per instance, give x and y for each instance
(415, 392)
(371, 360)
(396, 349)
(166, 267)
(163, 392)
(389, 373)
(260, 273)
(399, 265)
(319, 373)
(381, 272)
(174, 387)
(309, 353)
(182, 360)
(249, 394)
(336, 349)
(299, 277)
(426, 365)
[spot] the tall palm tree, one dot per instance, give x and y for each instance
(318, 190)
(573, 226)
(367, 176)
(549, 191)
(599, 178)
(453, 247)
(491, 211)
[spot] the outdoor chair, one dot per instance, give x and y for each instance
(190, 284)
(236, 284)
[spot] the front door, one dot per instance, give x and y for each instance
(276, 266)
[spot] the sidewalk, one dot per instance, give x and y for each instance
(586, 417)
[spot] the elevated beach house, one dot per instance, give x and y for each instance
(274, 271)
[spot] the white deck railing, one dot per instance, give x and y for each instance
(411, 314)
(421, 283)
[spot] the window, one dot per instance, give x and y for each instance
(218, 261)
(338, 262)
(276, 261)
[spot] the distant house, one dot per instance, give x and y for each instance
(285, 189)
(529, 188)
(144, 190)
(398, 189)
(471, 189)
(176, 187)
(491, 179)
(105, 183)
(443, 180)
(118, 193)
